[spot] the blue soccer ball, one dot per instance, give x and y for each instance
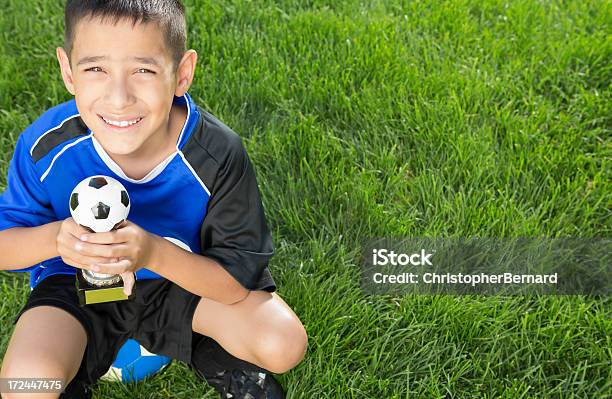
(133, 363)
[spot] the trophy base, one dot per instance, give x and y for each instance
(91, 294)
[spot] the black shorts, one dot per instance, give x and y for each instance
(159, 318)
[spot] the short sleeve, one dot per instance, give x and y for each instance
(234, 231)
(24, 203)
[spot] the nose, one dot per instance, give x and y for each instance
(118, 94)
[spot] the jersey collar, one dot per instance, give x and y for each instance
(190, 122)
(192, 118)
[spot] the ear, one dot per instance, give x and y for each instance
(185, 72)
(64, 63)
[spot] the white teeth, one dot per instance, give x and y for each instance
(121, 123)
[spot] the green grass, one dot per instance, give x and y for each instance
(395, 118)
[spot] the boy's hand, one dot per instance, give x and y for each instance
(122, 251)
(69, 246)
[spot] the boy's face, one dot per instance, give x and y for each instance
(124, 80)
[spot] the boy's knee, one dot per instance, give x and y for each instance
(283, 349)
(39, 367)
(27, 367)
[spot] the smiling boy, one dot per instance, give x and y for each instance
(196, 242)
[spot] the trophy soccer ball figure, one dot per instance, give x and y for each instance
(99, 204)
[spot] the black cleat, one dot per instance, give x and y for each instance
(233, 378)
(242, 384)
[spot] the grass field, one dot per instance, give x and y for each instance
(395, 118)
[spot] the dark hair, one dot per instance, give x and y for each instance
(168, 14)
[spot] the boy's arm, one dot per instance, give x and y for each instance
(136, 248)
(28, 226)
(196, 273)
(21, 247)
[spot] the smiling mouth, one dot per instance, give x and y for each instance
(120, 124)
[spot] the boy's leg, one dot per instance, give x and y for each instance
(261, 329)
(47, 342)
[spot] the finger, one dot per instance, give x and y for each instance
(119, 267)
(101, 250)
(91, 262)
(77, 264)
(128, 282)
(122, 225)
(111, 237)
(73, 248)
(76, 229)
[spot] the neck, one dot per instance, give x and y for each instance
(137, 165)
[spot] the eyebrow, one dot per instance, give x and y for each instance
(97, 58)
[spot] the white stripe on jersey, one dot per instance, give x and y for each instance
(50, 130)
(61, 152)
(193, 172)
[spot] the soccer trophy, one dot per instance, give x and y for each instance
(99, 204)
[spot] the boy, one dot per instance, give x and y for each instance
(197, 238)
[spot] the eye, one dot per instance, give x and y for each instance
(94, 69)
(144, 70)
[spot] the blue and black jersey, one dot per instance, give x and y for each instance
(203, 197)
